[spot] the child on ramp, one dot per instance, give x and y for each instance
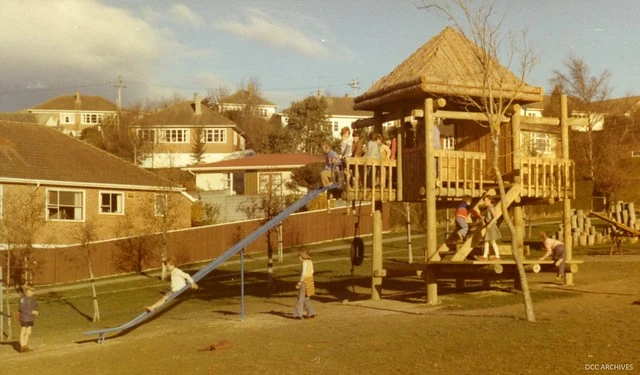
(179, 279)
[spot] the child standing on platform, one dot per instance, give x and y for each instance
(492, 233)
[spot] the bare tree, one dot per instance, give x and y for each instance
(498, 86)
(589, 94)
(267, 205)
(215, 96)
(86, 234)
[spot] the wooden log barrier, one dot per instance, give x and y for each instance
(495, 268)
(532, 268)
(569, 268)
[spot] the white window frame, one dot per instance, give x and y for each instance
(91, 118)
(78, 209)
(106, 209)
(67, 118)
(215, 135)
(539, 144)
(336, 126)
(174, 136)
(448, 143)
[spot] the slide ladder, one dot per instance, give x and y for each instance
(216, 262)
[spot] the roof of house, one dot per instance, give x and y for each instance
(445, 65)
(86, 103)
(343, 106)
(259, 161)
(242, 97)
(27, 117)
(184, 113)
(39, 154)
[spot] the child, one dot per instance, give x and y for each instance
(462, 213)
(559, 253)
(27, 310)
(492, 234)
(179, 279)
(305, 286)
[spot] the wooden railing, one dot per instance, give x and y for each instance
(370, 179)
(460, 173)
(546, 177)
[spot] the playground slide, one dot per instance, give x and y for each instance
(218, 261)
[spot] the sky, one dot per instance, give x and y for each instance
(162, 49)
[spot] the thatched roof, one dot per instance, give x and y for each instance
(444, 66)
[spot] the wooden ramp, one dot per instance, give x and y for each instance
(630, 232)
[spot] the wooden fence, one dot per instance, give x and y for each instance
(113, 257)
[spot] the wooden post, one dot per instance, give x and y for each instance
(566, 202)
(376, 279)
(518, 213)
(1, 305)
(430, 201)
(399, 172)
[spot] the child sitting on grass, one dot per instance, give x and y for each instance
(179, 279)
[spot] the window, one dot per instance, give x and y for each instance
(67, 118)
(174, 135)
(147, 135)
(161, 204)
(634, 154)
(65, 205)
(215, 135)
(538, 144)
(92, 118)
(111, 203)
(263, 111)
(448, 143)
(336, 126)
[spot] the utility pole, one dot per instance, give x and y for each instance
(355, 85)
(119, 86)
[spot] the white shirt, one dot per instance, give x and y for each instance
(179, 279)
(307, 269)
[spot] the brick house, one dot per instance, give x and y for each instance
(169, 136)
(54, 185)
(72, 114)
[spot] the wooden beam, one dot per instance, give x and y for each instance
(457, 115)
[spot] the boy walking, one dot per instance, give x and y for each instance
(27, 312)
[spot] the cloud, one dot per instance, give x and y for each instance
(261, 27)
(183, 13)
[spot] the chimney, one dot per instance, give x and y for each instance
(197, 103)
(346, 94)
(78, 102)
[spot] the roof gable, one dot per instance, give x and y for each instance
(243, 97)
(343, 106)
(445, 65)
(184, 113)
(38, 153)
(85, 102)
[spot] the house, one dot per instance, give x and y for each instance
(56, 186)
(171, 137)
(239, 100)
(72, 114)
(250, 175)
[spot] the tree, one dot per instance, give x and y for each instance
(588, 94)
(85, 235)
(267, 205)
(199, 146)
(215, 96)
(307, 127)
(498, 87)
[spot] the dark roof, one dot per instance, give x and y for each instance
(184, 113)
(242, 97)
(445, 65)
(87, 103)
(260, 161)
(27, 117)
(343, 106)
(41, 154)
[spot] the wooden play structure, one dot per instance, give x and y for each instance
(432, 88)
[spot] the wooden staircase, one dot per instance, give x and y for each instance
(464, 250)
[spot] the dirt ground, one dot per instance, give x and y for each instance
(591, 326)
